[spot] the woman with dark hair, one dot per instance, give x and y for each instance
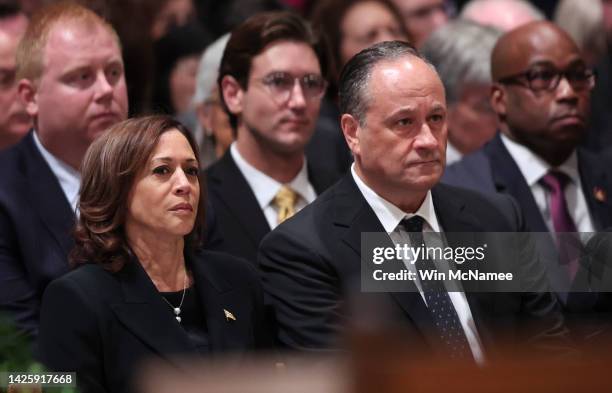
(143, 287)
(349, 26)
(354, 25)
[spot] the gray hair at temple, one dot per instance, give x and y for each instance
(355, 76)
(583, 21)
(461, 52)
(208, 70)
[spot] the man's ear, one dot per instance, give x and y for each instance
(233, 94)
(350, 129)
(27, 91)
(498, 99)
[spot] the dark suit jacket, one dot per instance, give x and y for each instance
(103, 325)
(327, 150)
(311, 268)
(240, 222)
(492, 169)
(35, 225)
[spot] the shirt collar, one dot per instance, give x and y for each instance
(534, 167)
(390, 215)
(68, 177)
(264, 187)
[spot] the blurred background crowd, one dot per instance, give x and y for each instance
(171, 48)
(514, 120)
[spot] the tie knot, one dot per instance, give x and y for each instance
(285, 196)
(412, 224)
(555, 180)
(285, 200)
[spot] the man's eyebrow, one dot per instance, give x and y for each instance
(407, 110)
(438, 107)
(542, 63)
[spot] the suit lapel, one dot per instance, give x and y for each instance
(354, 216)
(235, 193)
(47, 197)
(146, 315)
(508, 179)
(594, 175)
(228, 314)
(460, 227)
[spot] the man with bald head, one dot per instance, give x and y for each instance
(70, 79)
(541, 95)
(394, 119)
(504, 15)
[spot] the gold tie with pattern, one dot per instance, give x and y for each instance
(285, 200)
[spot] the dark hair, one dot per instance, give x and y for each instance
(253, 36)
(9, 8)
(110, 166)
(178, 43)
(356, 74)
(327, 17)
(220, 17)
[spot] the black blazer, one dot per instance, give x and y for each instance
(240, 222)
(311, 267)
(102, 325)
(35, 232)
(492, 169)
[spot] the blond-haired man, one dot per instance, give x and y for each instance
(71, 80)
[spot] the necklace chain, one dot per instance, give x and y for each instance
(177, 310)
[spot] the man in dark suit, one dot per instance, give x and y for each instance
(271, 89)
(71, 79)
(541, 95)
(394, 121)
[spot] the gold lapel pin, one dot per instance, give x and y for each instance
(599, 194)
(229, 316)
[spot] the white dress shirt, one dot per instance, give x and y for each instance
(265, 188)
(68, 177)
(390, 216)
(452, 154)
(533, 168)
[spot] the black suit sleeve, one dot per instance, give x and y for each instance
(69, 337)
(543, 326)
(17, 295)
(303, 289)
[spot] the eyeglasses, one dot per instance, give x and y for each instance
(281, 85)
(538, 79)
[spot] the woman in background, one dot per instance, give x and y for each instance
(144, 289)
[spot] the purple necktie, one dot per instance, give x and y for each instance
(555, 182)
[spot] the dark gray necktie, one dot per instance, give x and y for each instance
(444, 315)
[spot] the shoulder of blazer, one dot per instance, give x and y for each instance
(92, 282)
(493, 211)
(15, 161)
(321, 178)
